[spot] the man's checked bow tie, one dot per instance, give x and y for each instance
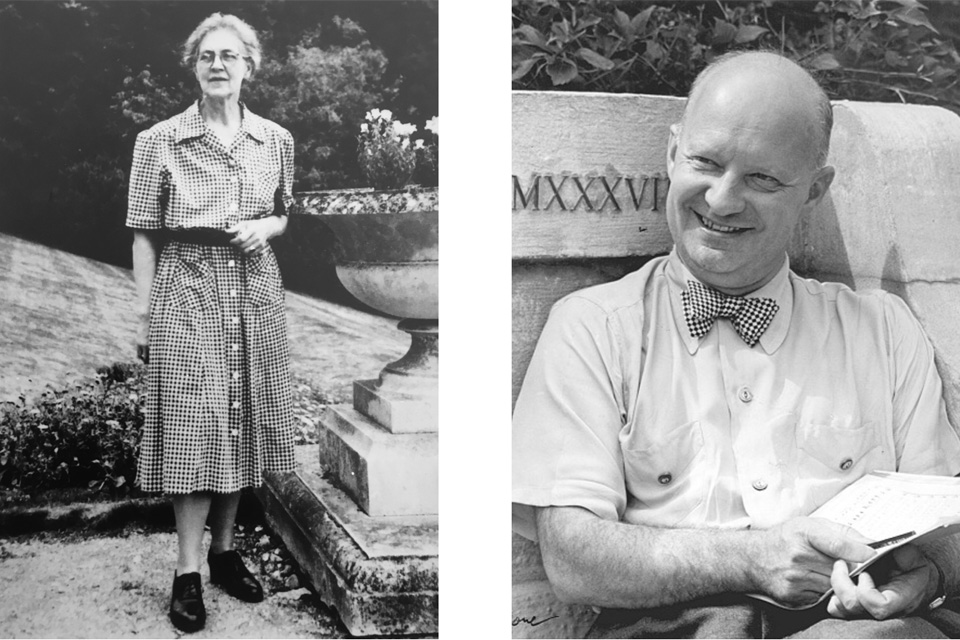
(749, 316)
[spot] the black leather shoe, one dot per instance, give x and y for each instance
(186, 604)
(228, 571)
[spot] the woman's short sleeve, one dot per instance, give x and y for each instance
(285, 188)
(144, 193)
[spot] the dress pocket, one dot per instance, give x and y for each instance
(192, 282)
(264, 282)
(660, 470)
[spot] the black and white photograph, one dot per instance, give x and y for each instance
(219, 319)
(736, 371)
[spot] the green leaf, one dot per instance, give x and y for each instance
(595, 59)
(531, 35)
(723, 32)
(523, 69)
(941, 73)
(913, 16)
(561, 71)
(749, 33)
(639, 22)
(654, 51)
(622, 22)
(824, 62)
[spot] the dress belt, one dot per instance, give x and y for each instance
(200, 235)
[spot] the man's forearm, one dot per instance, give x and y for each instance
(594, 561)
(619, 565)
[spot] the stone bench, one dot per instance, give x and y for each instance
(589, 182)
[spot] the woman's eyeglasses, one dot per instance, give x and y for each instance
(229, 58)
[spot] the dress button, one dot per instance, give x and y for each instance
(232, 263)
(846, 464)
(745, 394)
(759, 485)
(235, 320)
(236, 375)
(665, 478)
(236, 404)
(234, 432)
(235, 347)
(233, 293)
(234, 206)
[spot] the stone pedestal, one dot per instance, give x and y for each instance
(379, 573)
(387, 474)
(366, 530)
(404, 398)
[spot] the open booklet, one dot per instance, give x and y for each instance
(883, 505)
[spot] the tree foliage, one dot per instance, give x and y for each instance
(880, 50)
(81, 79)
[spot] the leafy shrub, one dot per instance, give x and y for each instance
(84, 437)
(886, 50)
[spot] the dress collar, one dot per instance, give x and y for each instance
(192, 124)
(778, 288)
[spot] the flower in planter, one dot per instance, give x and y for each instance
(386, 156)
(427, 150)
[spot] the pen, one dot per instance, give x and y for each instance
(886, 542)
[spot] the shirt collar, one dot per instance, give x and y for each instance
(778, 288)
(192, 124)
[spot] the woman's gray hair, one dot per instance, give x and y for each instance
(246, 33)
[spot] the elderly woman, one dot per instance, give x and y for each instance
(208, 189)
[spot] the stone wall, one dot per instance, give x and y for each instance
(588, 187)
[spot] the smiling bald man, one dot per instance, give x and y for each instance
(676, 427)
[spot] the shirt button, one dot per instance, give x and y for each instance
(234, 432)
(236, 375)
(231, 263)
(236, 404)
(231, 163)
(235, 320)
(235, 347)
(234, 207)
(759, 484)
(745, 394)
(846, 464)
(665, 478)
(233, 293)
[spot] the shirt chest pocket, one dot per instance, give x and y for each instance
(833, 456)
(266, 180)
(660, 467)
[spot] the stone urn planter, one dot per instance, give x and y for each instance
(386, 255)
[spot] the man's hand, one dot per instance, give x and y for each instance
(794, 562)
(251, 236)
(904, 581)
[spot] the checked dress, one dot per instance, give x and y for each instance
(218, 409)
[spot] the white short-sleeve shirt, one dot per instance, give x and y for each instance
(623, 413)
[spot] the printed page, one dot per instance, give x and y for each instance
(884, 504)
(881, 504)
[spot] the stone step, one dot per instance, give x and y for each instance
(379, 573)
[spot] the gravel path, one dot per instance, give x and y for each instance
(119, 587)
